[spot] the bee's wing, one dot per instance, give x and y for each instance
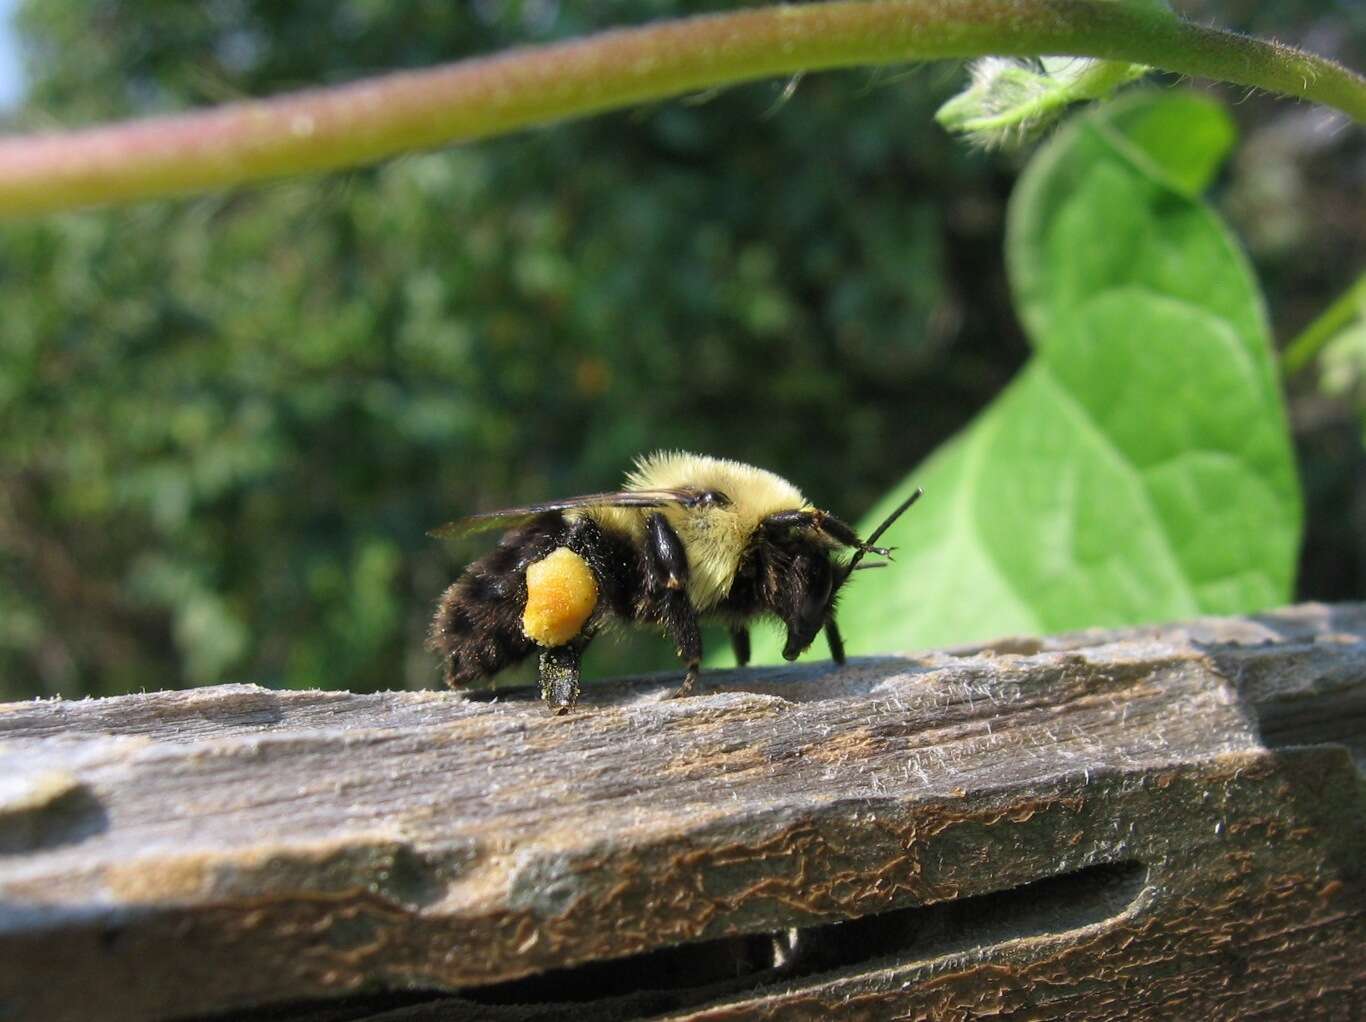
(514, 516)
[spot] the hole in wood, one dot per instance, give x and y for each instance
(1329, 718)
(50, 813)
(691, 974)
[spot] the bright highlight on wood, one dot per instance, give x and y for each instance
(370, 120)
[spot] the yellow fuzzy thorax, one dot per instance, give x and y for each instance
(713, 536)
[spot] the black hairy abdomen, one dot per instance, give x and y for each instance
(477, 630)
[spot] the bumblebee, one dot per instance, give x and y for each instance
(688, 538)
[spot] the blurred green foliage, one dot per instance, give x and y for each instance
(229, 421)
(1344, 367)
(225, 423)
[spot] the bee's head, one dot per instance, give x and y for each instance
(804, 596)
(799, 577)
(801, 571)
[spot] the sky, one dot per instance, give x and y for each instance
(11, 80)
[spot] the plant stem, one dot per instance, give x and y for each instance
(371, 119)
(1350, 305)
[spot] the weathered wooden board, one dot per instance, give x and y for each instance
(332, 856)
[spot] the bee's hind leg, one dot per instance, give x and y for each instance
(559, 674)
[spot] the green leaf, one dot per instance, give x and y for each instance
(1187, 136)
(1140, 467)
(1092, 214)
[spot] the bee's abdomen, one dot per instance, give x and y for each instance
(477, 630)
(475, 640)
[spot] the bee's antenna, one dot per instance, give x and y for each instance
(868, 547)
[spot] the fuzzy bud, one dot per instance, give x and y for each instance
(1011, 101)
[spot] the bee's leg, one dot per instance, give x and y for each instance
(664, 554)
(559, 673)
(682, 624)
(835, 640)
(680, 621)
(739, 641)
(667, 567)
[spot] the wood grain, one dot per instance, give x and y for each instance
(1155, 823)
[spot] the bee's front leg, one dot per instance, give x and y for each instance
(559, 673)
(836, 641)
